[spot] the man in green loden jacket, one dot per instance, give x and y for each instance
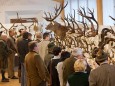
(4, 51)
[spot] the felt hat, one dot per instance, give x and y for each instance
(101, 56)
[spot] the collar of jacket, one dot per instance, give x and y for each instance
(105, 62)
(56, 57)
(34, 51)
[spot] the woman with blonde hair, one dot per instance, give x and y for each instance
(80, 77)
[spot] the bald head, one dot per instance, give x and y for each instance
(12, 32)
(38, 35)
(4, 37)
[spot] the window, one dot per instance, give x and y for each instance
(76, 4)
(108, 10)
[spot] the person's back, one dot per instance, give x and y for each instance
(64, 56)
(78, 79)
(43, 49)
(22, 46)
(53, 66)
(48, 58)
(4, 52)
(36, 72)
(43, 45)
(68, 68)
(50, 54)
(103, 76)
(31, 70)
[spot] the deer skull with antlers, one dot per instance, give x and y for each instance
(57, 28)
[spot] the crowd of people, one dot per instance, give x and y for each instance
(42, 63)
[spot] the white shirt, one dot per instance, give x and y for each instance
(60, 72)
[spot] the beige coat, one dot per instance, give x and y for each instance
(43, 48)
(35, 69)
(103, 76)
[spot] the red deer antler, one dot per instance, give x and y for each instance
(112, 18)
(54, 26)
(57, 13)
(78, 29)
(94, 31)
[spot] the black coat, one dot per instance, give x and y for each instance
(53, 72)
(22, 47)
(78, 79)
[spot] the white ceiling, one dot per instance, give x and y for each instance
(22, 2)
(25, 8)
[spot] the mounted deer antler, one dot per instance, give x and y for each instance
(57, 13)
(54, 26)
(104, 34)
(94, 31)
(74, 22)
(112, 18)
(3, 27)
(107, 40)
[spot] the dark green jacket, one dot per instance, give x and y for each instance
(3, 49)
(4, 52)
(48, 58)
(78, 79)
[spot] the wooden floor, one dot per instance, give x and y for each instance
(12, 82)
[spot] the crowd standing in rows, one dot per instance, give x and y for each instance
(43, 63)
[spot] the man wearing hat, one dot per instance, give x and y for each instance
(104, 75)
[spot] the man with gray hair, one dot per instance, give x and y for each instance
(68, 65)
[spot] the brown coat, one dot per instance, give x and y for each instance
(103, 76)
(35, 69)
(68, 68)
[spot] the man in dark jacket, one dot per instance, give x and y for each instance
(22, 47)
(3, 56)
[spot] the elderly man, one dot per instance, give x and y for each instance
(36, 71)
(68, 65)
(3, 56)
(38, 36)
(103, 75)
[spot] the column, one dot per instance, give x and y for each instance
(100, 12)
